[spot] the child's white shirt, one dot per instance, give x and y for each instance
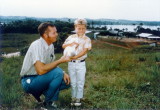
(84, 42)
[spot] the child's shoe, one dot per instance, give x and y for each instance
(78, 102)
(73, 101)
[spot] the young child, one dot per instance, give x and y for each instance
(77, 66)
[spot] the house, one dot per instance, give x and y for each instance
(114, 32)
(95, 35)
(148, 36)
(143, 35)
(154, 38)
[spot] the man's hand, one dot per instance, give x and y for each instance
(66, 78)
(64, 59)
(73, 58)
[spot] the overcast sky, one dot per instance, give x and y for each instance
(148, 10)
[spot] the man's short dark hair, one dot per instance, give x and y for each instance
(43, 27)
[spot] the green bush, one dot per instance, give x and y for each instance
(24, 50)
(145, 49)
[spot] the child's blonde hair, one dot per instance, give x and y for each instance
(80, 22)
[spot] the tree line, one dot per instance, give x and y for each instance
(30, 26)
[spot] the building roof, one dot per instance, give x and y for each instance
(86, 32)
(144, 35)
(113, 32)
(153, 37)
(96, 33)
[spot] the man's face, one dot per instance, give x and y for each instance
(52, 34)
(80, 29)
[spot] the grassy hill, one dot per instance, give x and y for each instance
(116, 79)
(13, 42)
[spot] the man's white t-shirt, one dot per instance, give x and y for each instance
(39, 50)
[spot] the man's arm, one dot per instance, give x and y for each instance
(42, 68)
(80, 54)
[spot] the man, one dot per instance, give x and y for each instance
(40, 74)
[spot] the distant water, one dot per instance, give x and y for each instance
(129, 27)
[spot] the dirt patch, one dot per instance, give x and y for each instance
(127, 43)
(99, 42)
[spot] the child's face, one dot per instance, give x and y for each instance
(80, 29)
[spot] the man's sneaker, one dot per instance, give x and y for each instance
(54, 104)
(43, 108)
(51, 105)
(78, 102)
(39, 106)
(73, 101)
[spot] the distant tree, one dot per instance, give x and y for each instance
(69, 20)
(110, 29)
(117, 29)
(137, 28)
(97, 28)
(104, 28)
(59, 42)
(60, 25)
(88, 25)
(123, 29)
(92, 23)
(129, 34)
(141, 24)
(25, 26)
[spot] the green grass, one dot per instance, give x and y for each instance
(13, 42)
(116, 79)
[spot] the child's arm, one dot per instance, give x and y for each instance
(87, 47)
(66, 45)
(68, 42)
(80, 54)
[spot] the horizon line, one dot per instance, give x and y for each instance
(79, 17)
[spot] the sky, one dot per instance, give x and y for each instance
(146, 10)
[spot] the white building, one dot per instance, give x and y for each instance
(144, 35)
(148, 36)
(9, 55)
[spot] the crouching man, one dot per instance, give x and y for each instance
(40, 74)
